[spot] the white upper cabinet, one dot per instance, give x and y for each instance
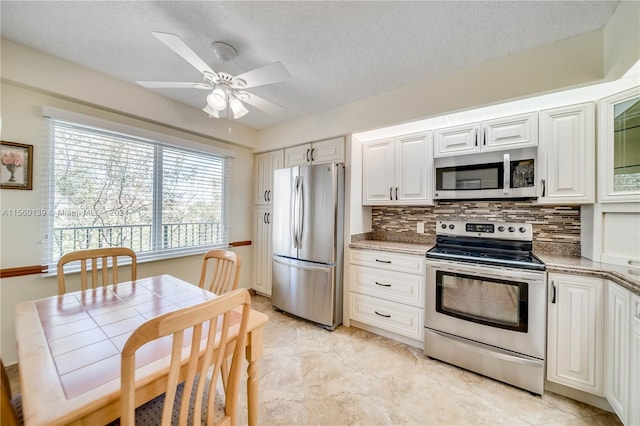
(567, 155)
(328, 151)
(619, 147)
(518, 131)
(398, 170)
(264, 166)
(456, 140)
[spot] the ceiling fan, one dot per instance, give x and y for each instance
(226, 90)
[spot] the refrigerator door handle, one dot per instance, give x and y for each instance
(300, 210)
(294, 209)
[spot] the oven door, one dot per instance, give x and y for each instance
(502, 307)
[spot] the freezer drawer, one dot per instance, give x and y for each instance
(305, 289)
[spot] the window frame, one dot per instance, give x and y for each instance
(160, 141)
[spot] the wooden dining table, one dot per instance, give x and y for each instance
(69, 349)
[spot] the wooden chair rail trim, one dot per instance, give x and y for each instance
(23, 270)
(240, 243)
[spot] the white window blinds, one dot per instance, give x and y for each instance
(111, 189)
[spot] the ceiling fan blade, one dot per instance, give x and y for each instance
(261, 103)
(171, 85)
(272, 73)
(176, 44)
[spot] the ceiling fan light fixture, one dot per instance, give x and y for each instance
(217, 99)
(238, 109)
(212, 112)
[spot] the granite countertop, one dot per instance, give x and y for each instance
(625, 276)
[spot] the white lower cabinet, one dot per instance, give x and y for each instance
(634, 363)
(576, 332)
(617, 351)
(387, 292)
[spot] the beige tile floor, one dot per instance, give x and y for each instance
(310, 376)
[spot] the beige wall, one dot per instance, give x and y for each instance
(21, 238)
(579, 61)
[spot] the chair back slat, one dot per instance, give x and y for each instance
(203, 366)
(226, 271)
(99, 266)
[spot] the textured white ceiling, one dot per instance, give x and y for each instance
(336, 51)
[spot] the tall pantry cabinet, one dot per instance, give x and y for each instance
(264, 166)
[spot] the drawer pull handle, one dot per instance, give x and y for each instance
(382, 315)
(634, 262)
(383, 261)
(383, 285)
(634, 272)
(553, 288)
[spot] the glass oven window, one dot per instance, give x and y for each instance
(497, 303)
(473, 177)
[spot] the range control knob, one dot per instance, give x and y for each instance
(512, 229)
(443, 226)
(451, 226)
(501, 228)
(522, 229)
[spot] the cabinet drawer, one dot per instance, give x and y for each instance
(388, 285)
(389, 261)
(394, 317)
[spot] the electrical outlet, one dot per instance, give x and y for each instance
(420, 228)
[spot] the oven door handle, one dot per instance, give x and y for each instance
(526, 276)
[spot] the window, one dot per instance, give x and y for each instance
(111, 189)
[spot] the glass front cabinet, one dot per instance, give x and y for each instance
(619, 147)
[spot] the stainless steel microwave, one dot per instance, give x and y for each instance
(501, 174)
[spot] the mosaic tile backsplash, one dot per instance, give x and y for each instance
(556, 229)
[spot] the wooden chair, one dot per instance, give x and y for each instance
(99, 260)
(226, 271)
(10, 407)
(202, 369)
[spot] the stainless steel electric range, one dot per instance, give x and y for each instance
(486, 301)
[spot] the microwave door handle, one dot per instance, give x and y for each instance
(506, 187)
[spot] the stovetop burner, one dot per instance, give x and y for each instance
(500, 244)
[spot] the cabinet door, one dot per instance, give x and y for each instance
(617, 349)
(329, 151)
(456, 140)
(264, 166)
(261, 169)
(262, 252)
(634, 363)
(518, 131)
(297, 155)
(619, 146)
(377, 172)
(576, 332)
(567, 160)
(412, 178)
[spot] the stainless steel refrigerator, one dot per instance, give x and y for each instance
(308, 223)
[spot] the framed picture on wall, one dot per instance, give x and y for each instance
(16, 165)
